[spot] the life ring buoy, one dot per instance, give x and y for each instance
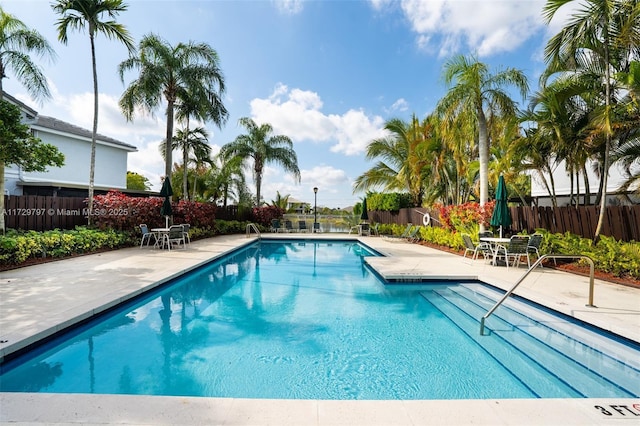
(426, 219)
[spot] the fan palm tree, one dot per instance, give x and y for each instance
(601, 36)
(479, 94)
(78, 14)
(185, 74)
(17, 42)
(260, 146)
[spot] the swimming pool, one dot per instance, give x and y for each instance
(307, 319)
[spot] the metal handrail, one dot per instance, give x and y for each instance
(253, 226)
(537, 262)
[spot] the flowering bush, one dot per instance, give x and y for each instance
(264, 215)
(467, 217)
(118, 211)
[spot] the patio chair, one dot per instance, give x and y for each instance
(185, 230)
(413, 235)
(288, 226)
(175, 236)
(275, 225)
(365, 229)
(302, 226)
(516, 250)
(482, 248)
(146, 235)
(534, 245)
(400, 237)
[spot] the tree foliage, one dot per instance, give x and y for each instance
(137, 181)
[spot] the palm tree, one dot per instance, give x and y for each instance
(225, 179)
(17, 42)
(479, 94)
(76, 14)
(187, 73)
(262, 147)
(188, 142)
(402, 159)
(281, 201)
(601, 36)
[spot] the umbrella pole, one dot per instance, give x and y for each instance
(166, 224)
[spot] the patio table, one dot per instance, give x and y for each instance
(495, 242)
(161, 235)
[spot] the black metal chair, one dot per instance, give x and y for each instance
(516, 250)
(146, 235)
(482, 248)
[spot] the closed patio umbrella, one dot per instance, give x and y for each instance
(501, 214)
(166, 191)
(364, 215)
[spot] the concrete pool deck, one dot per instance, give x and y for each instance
(37, 301)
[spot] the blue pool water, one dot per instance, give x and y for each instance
(309, 320)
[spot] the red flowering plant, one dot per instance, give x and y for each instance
(201, 215)
(264, 215)
(118, 211)
(467, 217)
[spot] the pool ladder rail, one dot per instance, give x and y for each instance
(252, 227)
(537, 262)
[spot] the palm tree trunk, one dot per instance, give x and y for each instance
(483, 156)
(185, 159)
(607, 144)
(587, 190)
(168, 138)
(94, 132)
(2, 222)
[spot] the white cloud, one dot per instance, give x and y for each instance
(288, 7)
(297, 114)
(330, 181)
(485, 27)
(400, 105)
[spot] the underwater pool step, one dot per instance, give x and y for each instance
(570, 361)
(545, 385)
(592, 349)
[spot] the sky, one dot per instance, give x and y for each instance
(326, 73)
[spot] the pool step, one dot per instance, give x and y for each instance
(556, 365)
(590, 350)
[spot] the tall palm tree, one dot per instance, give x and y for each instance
(179, 74)
(401, 159)
(97, 16)
(601, 36)
(17, 42)
(260, 146)
(189, 142)
(479, 94)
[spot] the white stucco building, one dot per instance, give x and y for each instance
(562, 184)
(72, 179)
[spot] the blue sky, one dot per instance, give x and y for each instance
(328, 74)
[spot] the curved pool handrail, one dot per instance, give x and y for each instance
(537, 262)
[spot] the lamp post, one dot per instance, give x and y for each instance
(315, 209)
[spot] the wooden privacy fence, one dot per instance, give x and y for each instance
(620, 222)
(40, 213)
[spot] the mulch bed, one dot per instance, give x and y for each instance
(572, 267)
